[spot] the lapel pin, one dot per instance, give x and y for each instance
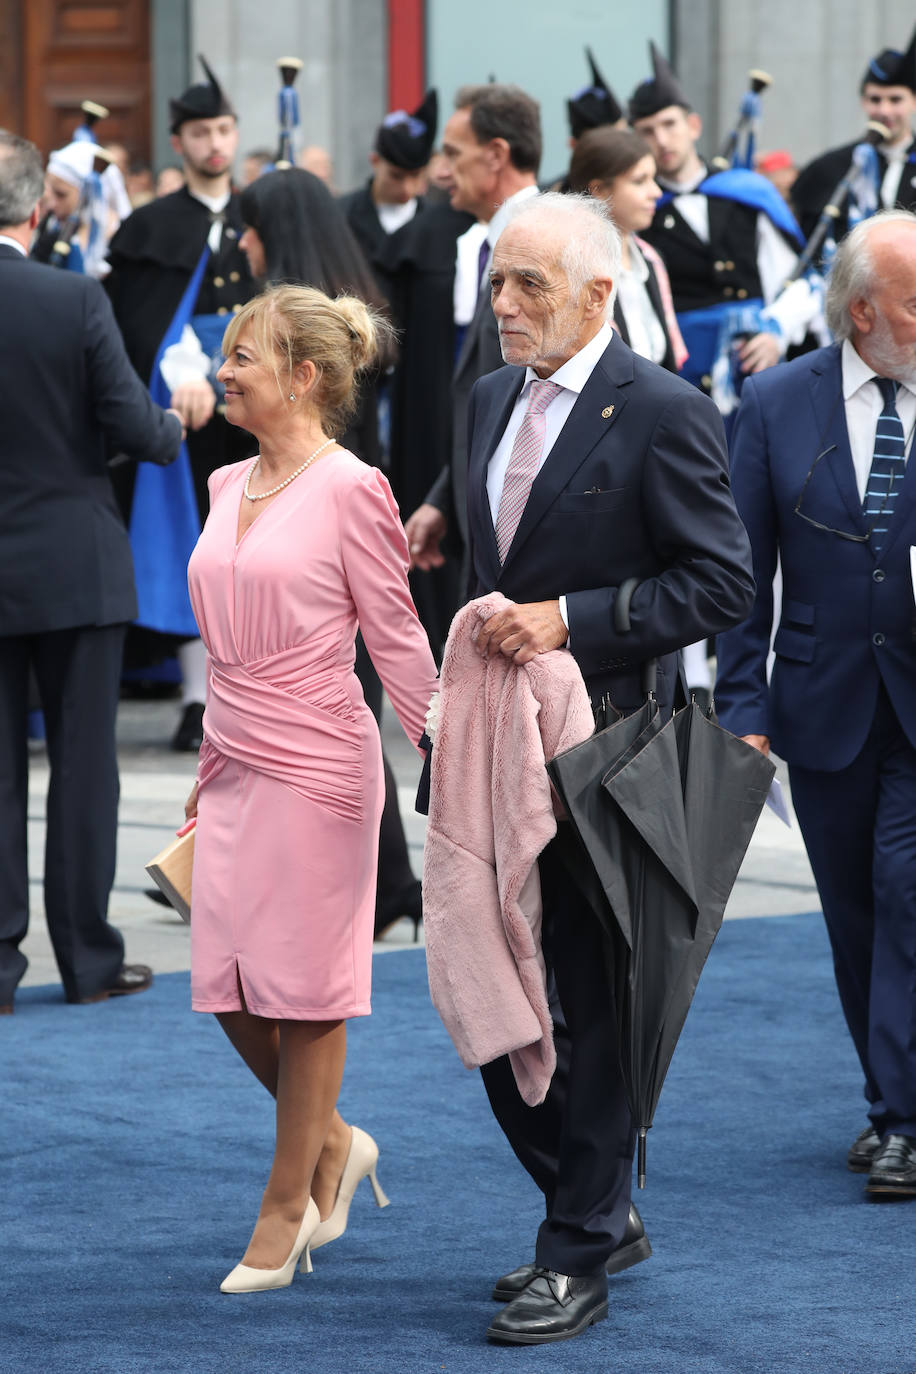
(607, 412)
(669, 221)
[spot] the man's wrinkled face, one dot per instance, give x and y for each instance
(542, 323)
(886, 320)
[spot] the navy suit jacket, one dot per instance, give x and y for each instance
(847, 621)
(70, 400)
(636, 485)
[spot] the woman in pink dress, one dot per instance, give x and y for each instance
(302, 544)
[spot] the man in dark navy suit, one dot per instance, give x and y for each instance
(70, 399)
(588, 466)
(821, 479)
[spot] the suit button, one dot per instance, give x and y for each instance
(706, 381)
(719, 266)
(742, 294)
(878, 639)
(221, 310)
(219, 281)
(729, 267)
(878, 575)
(235, 276)
(728, 292)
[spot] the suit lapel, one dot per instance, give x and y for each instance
(588, 423)
(830, 416)
(472, 333)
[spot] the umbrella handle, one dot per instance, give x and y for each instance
(641, 1158)
(622, 626)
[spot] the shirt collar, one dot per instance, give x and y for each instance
(501, 218)
(856, 372)
(576, 371)
(12, 243)
(214, 204)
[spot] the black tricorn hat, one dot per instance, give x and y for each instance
(407, 140)
(207, 100)
(893, 68)
(594, 105)
(658, 91)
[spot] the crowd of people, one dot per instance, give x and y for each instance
(284, 436)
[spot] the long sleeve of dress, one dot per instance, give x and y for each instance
(375, 559)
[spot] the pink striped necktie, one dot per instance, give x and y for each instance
(524, 463)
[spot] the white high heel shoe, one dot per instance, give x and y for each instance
(244, 1279)
(361, 1161)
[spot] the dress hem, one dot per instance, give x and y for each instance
(286, 1013)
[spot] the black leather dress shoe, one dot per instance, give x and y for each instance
(189, 736)
(863, 1150)
(632, 1249)
(893, 1169)
(131, 978)
(553, 1307)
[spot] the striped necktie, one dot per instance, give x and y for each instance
(524, 464)
(888, 465)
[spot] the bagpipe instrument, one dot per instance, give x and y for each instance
(287, 111)
(749, 113)
(862, 169)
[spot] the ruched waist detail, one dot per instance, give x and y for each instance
(311, 740)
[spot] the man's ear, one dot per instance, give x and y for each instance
(35, 216)
(498, 153)
(175, 145)
(695, 125)
(862, 314)
(596, 296)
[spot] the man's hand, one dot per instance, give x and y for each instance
(762, 351)
(425, 531)
(523, 632)
(180, 418)
(195, 402)
(761, 742)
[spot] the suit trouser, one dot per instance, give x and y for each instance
(859, 827)
(78, 676)
(578, 1144)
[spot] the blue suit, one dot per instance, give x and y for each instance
(841, 706)
(635, 485)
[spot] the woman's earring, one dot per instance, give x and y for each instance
(291, 396)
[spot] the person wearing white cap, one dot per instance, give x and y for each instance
(85, 200)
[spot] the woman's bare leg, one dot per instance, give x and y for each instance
(310, 1070)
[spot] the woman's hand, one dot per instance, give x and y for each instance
(190, 806)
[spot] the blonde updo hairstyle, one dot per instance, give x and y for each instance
(296, 324)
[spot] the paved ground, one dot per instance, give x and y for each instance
(775, 879)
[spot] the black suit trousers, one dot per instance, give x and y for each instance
(578, 1144)
(78, 675)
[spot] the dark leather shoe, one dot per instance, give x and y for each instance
(863, 1150)
(632, 1249)
(554, 1307)
(131, 978)
(189, 736)
(893, 1169)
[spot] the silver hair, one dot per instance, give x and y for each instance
(592, 248)
(852, 276)
(22, 179)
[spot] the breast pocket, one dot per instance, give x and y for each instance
(591, 502)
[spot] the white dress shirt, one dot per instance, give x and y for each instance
(216, 205)
(572, 377)
(646, 336)
(13, 243)
(393, 217)
(864, 404)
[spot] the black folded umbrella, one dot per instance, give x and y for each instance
(665, 813)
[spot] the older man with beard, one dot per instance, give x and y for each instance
(821, 480)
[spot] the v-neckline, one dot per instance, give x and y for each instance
(239, 540)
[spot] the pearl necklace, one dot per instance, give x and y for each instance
(263, 495)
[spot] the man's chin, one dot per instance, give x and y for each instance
(516, 352)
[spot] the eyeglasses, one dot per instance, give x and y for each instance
(829, 529)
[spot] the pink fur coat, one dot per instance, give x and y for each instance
(491, 813)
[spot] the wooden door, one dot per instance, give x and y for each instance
(76, 50)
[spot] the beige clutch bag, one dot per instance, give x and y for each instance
(170, 870)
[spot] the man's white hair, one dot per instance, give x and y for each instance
(852, 276)
(592, 247)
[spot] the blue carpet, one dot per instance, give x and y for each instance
(134, 1148)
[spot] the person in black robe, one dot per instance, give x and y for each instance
(154, 256)
(888, 95)
(393, 195)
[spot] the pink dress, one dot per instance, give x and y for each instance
(290, 773)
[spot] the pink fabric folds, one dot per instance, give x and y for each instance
(491, 814)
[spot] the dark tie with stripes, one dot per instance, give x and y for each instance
(888, 465)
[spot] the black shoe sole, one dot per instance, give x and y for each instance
(886, 1191)
(597, 1314)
